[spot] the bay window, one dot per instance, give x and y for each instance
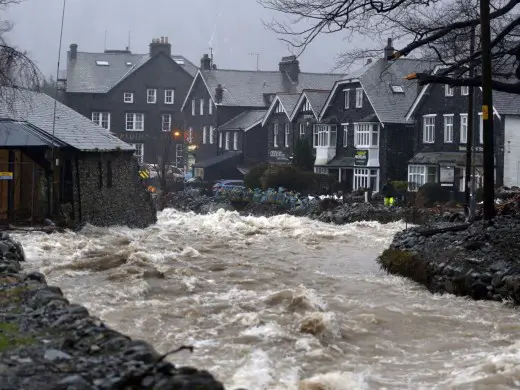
(365, 178)
(366, 135)
(324, 136)
(418, 175)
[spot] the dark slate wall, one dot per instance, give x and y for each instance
(279, 154)
(435, 102)
(254, 145)
(399, 141)
(160, 73)
(125, 202)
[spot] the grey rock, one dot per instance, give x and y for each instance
(54, 354)
(75, 382)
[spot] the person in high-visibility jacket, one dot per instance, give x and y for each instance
(388, 192)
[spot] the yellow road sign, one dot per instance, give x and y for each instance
(6, 175)
(144, 174)
(485, 112)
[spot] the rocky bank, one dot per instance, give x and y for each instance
(481, 260)
(48, 343)
(326, 210)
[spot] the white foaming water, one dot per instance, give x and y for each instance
(281, 303)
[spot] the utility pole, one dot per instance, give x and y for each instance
(487, 113)
(470, 139)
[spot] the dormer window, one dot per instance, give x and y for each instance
(307, 106)
(102, 63)
(448, 90)
(397, 89)
(279, 108)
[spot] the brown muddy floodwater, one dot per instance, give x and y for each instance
(269, 302)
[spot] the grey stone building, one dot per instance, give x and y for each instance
(136, 96)
(363, 137)
(64, 166)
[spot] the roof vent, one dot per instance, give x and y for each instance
(128, 64)
(102, 63)
(179, 61)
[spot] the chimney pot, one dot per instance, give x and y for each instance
(73, 51)
(290, 66)
(159, 45)
(205, 62)
(389, 49)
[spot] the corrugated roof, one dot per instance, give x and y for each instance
(377, 82)
(84, 75)
(70, 127)
(247, 88)
(16, 134)
(244, 120)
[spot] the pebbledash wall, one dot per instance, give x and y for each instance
(110, 192)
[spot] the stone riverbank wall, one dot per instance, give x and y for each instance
(481, 261)
(48, 343)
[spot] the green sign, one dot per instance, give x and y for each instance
(361, 157)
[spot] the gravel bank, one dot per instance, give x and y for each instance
(481, 261)
(47, 343)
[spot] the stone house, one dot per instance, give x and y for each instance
(219, 95)
(440, 114)
(58, 164)
(136, 96)
(363, 137)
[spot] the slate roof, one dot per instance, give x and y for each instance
(85, 76)
(317, 99)
(433, 158)
(244, 120)
(289, 101)
(506, 103)
(247, 88)
(217, 159)
(380, 76)
(70, 127)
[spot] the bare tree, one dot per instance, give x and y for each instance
(17, 70)
(431, 29)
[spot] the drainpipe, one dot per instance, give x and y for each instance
(80, 216)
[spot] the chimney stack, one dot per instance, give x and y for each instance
(205, 62)
(389, 49)
(73, 51)
(291, 67)
(160, 45)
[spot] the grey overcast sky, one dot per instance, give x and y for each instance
(234, 27)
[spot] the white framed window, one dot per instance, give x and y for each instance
(151, 96)
(210, 107)
(366, 178)
(128, 97)
(359, 97)
(179, 156)
(204, 134)
(302, 127)
(102, 119)
(346, 98)
(429, 129)
(212, 134)
(201, 104)
(227, 140)
(345, 134)
(366, 135)
(166, 122)
(448, 128)
(279, 108)
(286, 137)
(463, 128)
(139, 152)
(448, 90)
(275, 135)
(418, 175)
(220, 137)
(481, 129)
(169, 96)
(193, 106)
(307, 106)
(464, 90)
(325, 136)
(235, 140)
(134, 122)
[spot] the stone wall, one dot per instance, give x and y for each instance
(47, 343)
(123, 201)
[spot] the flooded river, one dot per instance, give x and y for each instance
(269, 302)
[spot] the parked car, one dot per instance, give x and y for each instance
(224, 184)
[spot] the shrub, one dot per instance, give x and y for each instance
(252, 179)
(288, 177)
(400, 186)
(303, 154)
(433, 193)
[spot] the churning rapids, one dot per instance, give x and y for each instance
(268, 302)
